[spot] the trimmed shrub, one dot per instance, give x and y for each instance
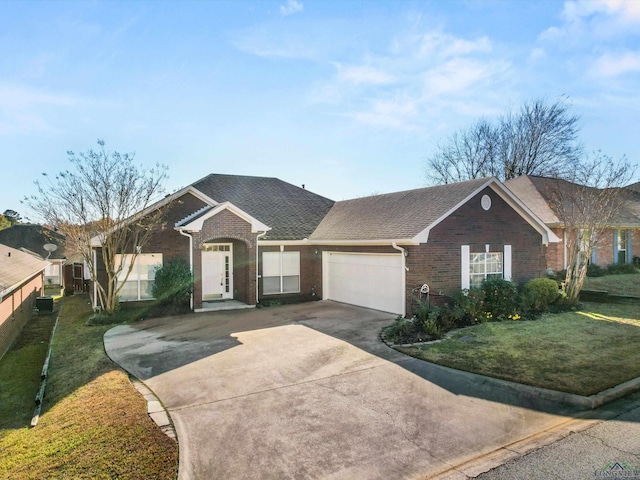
(540, 293)
(500, 298)
(471, 304)
(621, 268)
(595, 271)
(173, 284)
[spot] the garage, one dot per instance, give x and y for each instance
(365, 279)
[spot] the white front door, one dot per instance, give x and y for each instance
(217, 271)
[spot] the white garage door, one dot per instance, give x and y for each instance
(364, 279)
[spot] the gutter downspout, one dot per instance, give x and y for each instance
(95, 281)
(181, 232)
(257, 258)
(404, 276)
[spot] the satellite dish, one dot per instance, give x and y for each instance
(50, 247)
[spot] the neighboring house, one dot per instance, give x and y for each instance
(21, 281)
(32, 239)
(619, 243)
(256, 239)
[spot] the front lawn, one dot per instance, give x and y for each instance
(581, 352)
(625, 284)
(94, 423)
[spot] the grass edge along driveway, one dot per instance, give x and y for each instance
(582, 352)
(94, 423)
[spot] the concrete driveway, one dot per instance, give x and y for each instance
(309, 391)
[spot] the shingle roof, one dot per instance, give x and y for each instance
(292, 212)
(530, 194)
(538, 194)
(16, 267)
(33, 238)
(393, 216)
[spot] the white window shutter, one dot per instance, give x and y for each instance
(464, 261)
(507, 262)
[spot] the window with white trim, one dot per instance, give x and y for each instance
(280, 272)
(622, 242)
(478, 266)
(140, 281)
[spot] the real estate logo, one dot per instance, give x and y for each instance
(618, 470)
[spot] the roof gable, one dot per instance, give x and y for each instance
(194, 223)
(409, 216)
(538, 194)
(17, 267)
(292, 212)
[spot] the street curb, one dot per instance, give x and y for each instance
(155, 409)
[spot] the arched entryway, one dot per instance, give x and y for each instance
(224, 267)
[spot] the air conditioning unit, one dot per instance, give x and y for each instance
(44, 304)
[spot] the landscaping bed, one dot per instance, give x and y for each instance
(582, 352)
(627, 284)
(94, 423)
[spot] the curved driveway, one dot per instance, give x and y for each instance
(309, 391)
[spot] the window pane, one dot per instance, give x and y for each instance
(270, 285)
(270, 264)
(290, 263)
(126, 261)
(475, 281)
(145, 289)
(146, 265)
(291, 284)
(129, 292)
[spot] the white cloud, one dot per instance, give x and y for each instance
(399, 114)
(585, 21)
(20, 108)
(291, 7)
(446, 46)
(612, 65)
(263, 45)
(456, 76)
(363, 75)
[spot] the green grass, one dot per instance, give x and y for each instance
(581, 352)
(625, 284)
(26, 356)
(94, 423)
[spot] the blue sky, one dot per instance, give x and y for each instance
(347, 97)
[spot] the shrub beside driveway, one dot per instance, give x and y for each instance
(582, 352)
(94, 423)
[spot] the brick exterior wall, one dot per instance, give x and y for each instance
(166, 240)
(554, 253)
(16, 309)
(604, 251)
(226, 227)
(438, 263)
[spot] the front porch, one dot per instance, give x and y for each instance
(221, 305)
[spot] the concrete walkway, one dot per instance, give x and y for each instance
(308, 391)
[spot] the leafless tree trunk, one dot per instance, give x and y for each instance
(99, 203)
(587, 205)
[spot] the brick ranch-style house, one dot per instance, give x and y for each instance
(22, 277)
(257, 239)
(617, 244)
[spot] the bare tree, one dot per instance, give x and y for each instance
(587, 204)
(103, 205)
(539, 139)
(468, 154)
